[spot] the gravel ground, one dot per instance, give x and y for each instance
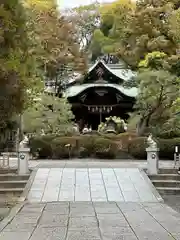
(173, 201)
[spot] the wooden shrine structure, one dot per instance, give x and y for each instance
(102, 94)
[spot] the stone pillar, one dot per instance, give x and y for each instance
(23, 159)
(152, 160)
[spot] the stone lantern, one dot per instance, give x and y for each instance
(111, 126)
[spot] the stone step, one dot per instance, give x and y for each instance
(11, 191)
(13, 184)
(13, 177)
(165, 177)
(166, 183)
(8, 170)
(9, 199)
(168, 171)
(169, 190)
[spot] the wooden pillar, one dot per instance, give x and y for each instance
(100, 115)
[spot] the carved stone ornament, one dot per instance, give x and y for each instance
(151, 142)
(24, 142)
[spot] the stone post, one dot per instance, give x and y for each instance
(152, 160)
(23, 159)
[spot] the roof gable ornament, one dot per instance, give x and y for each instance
(100, 73)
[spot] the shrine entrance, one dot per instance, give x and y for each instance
(93, 105)
(101, 94)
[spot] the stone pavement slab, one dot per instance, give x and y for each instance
(90, 163)
(90, 184)
(107, 221)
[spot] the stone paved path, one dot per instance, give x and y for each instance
(94, 221)
(86, 163)
(90, 184)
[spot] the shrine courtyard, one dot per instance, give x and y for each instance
(91, 200)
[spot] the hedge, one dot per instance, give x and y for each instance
(122, 146)
(58, 147)
(137, 147)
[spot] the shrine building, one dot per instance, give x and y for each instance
(102, 94)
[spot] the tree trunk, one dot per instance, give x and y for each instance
(143, 125)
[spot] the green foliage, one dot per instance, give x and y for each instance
(131, 29)
(171, 127)
(149, 30)
(167, 147)
(114, 18)
(175, 25)
(82, 146)
(104, 148)
(137, 147)
(157, 92)
(86, 20)
(18, 73)
(153, 60)
(48, 114)
(159, 61)
(55, 147)
(59, 51)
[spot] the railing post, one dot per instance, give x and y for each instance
(153, 160)
(23, 160)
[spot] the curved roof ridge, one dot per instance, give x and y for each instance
(77, 89)
(122, 73)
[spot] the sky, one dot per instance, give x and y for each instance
(76, 3)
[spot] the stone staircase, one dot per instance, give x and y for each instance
(11, 186)
(167, 182)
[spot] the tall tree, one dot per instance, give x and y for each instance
(114, 18)
(48, 114)
(59, 46)
(149, 30)
(158, 91)
(86, 20)
(18, 72)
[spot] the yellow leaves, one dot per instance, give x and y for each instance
(111, 8)
(39, 5)
(175, 25)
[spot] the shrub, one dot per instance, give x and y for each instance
(137, 148)
(105, 148)
(41, 146)
(167, 147)
(109, 147)
(86, 144)
(64, 147)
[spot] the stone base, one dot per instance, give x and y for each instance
(152, 160)
(23, 159)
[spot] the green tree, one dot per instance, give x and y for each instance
(18, 68)
(48, 114)
(114, 18)
(159, 60)
(86, 20)
(158, 90)
(149, 30)
(175, 25)
(58, 43)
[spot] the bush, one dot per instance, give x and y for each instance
(64, 147)
(113, 146)
(56, 147)
(86, 146)
(137, 147)
(105, 148)
(41, 146)
(167, 147)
